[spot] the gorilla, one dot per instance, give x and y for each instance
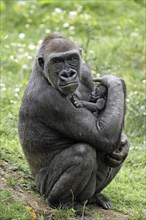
(72, 153)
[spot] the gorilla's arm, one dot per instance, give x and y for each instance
(80, 124)
(93, 107)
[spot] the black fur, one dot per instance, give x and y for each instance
(66, 147)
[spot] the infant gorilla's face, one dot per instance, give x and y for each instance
(99, 92)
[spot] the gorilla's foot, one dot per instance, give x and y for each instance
(104, 202)
(101, 200)
(53, 204)
(76, 206)
(66, 205)
(69, 205)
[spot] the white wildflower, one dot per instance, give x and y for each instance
(31, 46)
(30, 57)
(22, 3)
(27, 25)
(66, 25)
(17, 89)
(24, 67)
(71, 28)
(72, 13)
(21, 35)
(58, 10)
(134, 34)
(40, 42)
(47, 31)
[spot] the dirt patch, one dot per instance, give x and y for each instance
(27, 197)
(37, 203)
(111, 215)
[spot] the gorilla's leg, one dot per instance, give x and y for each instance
(104, 176)
(71, 175)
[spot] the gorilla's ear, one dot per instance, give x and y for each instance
(41, 62)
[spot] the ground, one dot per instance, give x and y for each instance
(36, 203)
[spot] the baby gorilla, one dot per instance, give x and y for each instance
(97, 101)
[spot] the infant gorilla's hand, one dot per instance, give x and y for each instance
(118, 156)
(100, 103)
(76, 102)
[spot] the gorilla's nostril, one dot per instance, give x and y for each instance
(64, 74)
(73, 73)
(68, 73)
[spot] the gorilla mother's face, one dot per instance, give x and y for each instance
(62, 66)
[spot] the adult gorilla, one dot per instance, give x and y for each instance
(72, 154)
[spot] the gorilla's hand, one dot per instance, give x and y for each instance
(76, 102)
(118, 156)
(109, 80)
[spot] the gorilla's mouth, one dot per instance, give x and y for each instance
(68, 88)
(70, 84)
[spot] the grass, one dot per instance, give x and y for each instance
(128, 188)
(112, 35)
(10, 209)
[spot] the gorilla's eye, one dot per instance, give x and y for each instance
(57, 61)
(74, 58)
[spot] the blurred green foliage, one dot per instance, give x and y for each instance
(112, 36)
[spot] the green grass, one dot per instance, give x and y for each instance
(111, 34)
(128, 189)
(10, 209)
